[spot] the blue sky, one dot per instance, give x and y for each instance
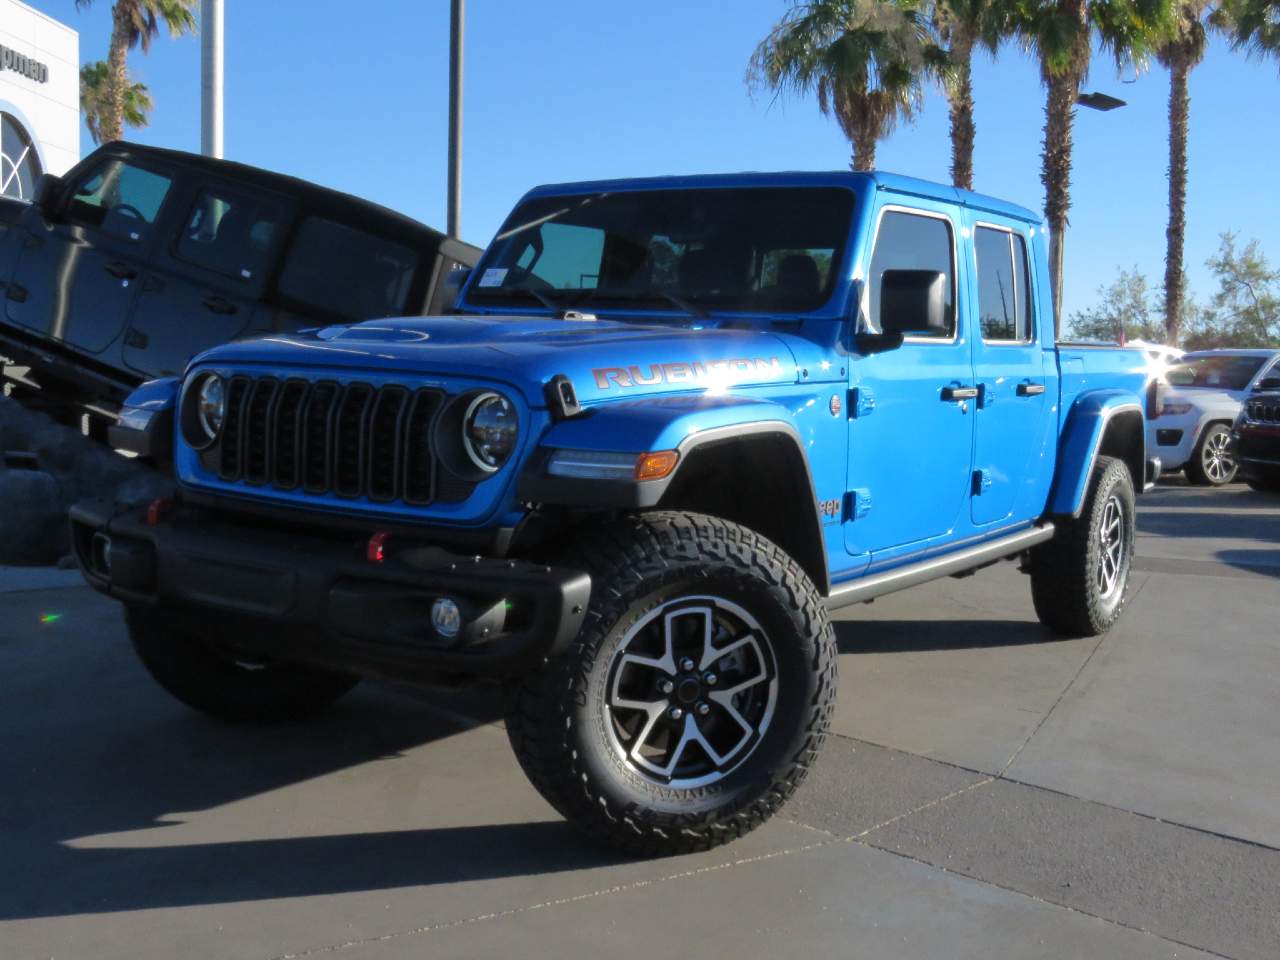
(569, 89)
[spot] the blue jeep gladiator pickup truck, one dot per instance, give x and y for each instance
(668, 426)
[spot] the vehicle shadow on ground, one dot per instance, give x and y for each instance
(1209, 523)
(904, 636)
(1265, 562)
(153, 764)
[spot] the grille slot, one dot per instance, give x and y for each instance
(1264, 411)
(355, 441)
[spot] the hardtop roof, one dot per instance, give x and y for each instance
(880, 179)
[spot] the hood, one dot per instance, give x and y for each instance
(604, 359)
(1210, 400)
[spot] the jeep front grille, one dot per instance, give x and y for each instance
(354, 441)
(1264, 410)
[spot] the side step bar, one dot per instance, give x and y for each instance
(899, 578)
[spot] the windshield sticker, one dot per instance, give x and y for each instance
(493, 277)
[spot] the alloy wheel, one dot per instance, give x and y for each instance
(691, 691)
(1219, 465)
(1111, 536)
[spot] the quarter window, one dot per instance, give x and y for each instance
(346, 271)
(1003, 303)
(910, 241)
(230, 234)
(119, 199)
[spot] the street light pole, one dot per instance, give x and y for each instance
(211, 78)
(456, 15)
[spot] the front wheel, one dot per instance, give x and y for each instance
(1080, 578)
(1213, 464)
(695, 698)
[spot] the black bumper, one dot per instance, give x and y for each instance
(320, 600)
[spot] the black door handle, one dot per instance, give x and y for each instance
(1030, 389)
(119, 269)
(15, 292)
(219, 304)
(959, 393)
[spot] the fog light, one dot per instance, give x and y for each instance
(446, 618)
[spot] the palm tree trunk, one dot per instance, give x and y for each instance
(1056, 173)
(1179, 114)
(864, 152)
(960, 98)
(117, 77)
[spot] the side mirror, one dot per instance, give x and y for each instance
(913, 301)
(1269, 383)
(48, 190)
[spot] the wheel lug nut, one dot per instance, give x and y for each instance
(666, 686)
(675, 713)
(686, 664)
(710, 679)
(703, 709)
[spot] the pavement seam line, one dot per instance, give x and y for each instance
(1031, 896)
(1066, 689)
(560, 901)
(924, 806)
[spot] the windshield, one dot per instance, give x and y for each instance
(1222, 372)
(753, 249)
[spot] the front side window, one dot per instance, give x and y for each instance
(346, 271)
(1004, 308)
(749, 249)
(120, 199)
(913, 241)
(229, 233)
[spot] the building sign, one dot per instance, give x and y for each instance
(11, 59)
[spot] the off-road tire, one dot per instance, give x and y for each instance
(557, 719)
(1198, 470)
(1065, 587)
(192, 665)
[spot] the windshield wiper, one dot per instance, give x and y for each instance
(680, 303)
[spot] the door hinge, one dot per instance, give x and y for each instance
(862, 402)
(986, 395)
(981, 482)
(857, 503)
(136, 339)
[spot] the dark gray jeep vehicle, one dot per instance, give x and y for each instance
(140, 258)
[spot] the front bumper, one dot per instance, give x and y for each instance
(320, 600)
(1173, 438)
(1256, 448)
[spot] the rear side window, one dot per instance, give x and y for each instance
(912, 241)
(345, 271)
(120, 199)
(230, 233)
(1004, 307)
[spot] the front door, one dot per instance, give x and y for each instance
(76, 280)
(911, 408)
(1013, 375)
(205, 283)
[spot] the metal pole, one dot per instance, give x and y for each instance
(211, 77)
(456, 15)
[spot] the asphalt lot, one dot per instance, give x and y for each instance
(988, 793)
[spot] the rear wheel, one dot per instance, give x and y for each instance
(194, 665)
(1212, 463)
(1079, 578)
(696, 696)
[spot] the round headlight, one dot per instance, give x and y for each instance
(211, 405)
(489, 430)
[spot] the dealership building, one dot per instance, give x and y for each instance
(39, 97)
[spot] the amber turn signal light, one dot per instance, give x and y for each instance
(655, 466)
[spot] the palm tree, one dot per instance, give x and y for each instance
(1254, 24)
(1061, 33)
(1183, 49)
(866, 60)
(135, 23)
(93, 87)
(962, 26)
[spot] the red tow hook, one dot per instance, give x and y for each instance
(157, 509)
(376, 551)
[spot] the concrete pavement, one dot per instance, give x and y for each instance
(988, 793)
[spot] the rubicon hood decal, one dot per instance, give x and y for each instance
(710, 373)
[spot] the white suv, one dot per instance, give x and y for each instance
(1204, 393)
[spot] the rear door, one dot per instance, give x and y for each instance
(1013, 374)
(207, 277)
(76, 280)
(911, 407)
